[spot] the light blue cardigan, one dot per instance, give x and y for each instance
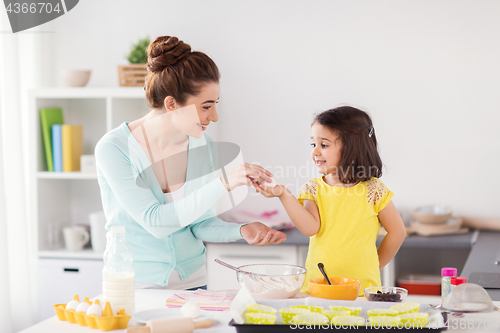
(162, 236)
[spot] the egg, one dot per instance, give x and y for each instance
(271, 184)
(72, 304)
(94, 309)
(83, 306)
(191, 310)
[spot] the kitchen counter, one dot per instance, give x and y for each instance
(155, 299)
(485, 258)
(459, 241)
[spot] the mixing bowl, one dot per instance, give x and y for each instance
(271, 281)
(341, 288)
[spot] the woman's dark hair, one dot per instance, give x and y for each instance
(175, 70)
(360, 160)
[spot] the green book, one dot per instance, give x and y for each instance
(49, 117)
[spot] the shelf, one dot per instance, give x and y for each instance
(87, 254)
(113, 92)
(65, 175)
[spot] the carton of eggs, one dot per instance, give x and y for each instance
(92, 315)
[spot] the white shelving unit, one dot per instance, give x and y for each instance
(64, 199)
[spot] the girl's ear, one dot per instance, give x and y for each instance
(169, 103)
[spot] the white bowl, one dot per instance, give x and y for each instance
(76, 78)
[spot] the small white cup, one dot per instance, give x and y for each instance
(75, 238)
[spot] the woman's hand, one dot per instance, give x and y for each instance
(245, 174)
(257, 233)
(270, 192)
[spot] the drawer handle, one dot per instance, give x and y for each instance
(76, 270)
(248, 256)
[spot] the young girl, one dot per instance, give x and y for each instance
(342, 210)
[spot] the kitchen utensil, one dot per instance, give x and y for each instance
(467, 298)
(322, 270)
(341, 288)
(275, 281)
(385, 294)
(176, 325)
(432, 214)
(258, 279)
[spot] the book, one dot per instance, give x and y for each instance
(57, 147)
(49, 117)
(72, 147)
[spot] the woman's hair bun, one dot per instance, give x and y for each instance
(165, 51)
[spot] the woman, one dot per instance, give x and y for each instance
(157, 181)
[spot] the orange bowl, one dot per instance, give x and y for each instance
(341, 288)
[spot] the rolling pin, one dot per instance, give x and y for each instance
(173, 325)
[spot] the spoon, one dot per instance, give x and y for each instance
(231, 267)
(258, 279)
(322, 270)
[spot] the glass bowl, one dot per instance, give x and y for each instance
(385, 294)
(271, 281)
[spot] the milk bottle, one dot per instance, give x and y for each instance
(118, 274)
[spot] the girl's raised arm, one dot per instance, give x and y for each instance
(305, 218)
(396, 233)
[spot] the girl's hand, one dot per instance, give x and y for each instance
(245, 174)
(270, 192)
(257, 233)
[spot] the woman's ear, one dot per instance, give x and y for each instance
(169, 103)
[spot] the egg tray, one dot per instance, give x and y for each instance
(107, 322)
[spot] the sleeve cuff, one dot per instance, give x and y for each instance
(235, 233)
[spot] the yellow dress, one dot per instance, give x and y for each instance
(345, 242)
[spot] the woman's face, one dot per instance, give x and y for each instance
(199, 111)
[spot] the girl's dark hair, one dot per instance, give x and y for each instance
(360, 160)
(175, 70)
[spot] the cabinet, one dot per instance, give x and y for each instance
(60, 199)
(63, 278)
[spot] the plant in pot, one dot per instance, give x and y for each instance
(134, 74)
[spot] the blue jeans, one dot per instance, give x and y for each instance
(202, 287)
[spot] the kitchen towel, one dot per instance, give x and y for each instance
(210, 300)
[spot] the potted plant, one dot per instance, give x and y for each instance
(134, 74)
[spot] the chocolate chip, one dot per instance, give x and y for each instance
(384, 297)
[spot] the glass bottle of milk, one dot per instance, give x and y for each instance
(118, 286)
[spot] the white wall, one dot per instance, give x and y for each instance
(427, 71)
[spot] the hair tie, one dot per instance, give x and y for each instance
(371, 132)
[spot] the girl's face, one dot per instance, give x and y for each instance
(199, 111)
(326, 147)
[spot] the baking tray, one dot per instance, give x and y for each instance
(438, 318)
